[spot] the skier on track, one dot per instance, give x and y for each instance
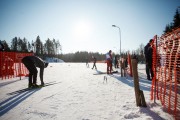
(94, 62)
(31, 62)
(87, 62)
(109, 62)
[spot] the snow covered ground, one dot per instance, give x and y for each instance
(75, 93)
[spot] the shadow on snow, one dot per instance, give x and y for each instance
(8, 82)
(13, 101)
(129, 81)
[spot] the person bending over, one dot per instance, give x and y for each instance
(31, 62)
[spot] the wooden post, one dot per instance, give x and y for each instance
(136, 81)
(140, 100)
(123, 74)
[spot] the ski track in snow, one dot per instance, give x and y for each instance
(78, 95)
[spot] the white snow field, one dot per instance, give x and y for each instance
(74, 93)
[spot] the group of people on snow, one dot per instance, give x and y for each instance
(31, 62)
(110, 62)
(123, 62)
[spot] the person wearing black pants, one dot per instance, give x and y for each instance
(31, 62)
(148, 51)
(94, 63)
(149, 62)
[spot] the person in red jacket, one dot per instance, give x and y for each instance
(109, 62)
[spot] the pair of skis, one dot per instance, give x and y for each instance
(100, 73)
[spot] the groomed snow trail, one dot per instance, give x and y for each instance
(76, 94)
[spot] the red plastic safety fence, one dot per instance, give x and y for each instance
(166, 67)
(11, 65)
(130, 65)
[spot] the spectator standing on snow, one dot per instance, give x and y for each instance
(31, 62)
(126, 62)
(148, 56)
(116, 62)
(109, 62)
(94, 62)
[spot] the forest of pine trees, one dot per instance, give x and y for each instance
(50, 48)
(175, 24)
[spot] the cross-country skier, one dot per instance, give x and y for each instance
(109, 62)
(31, 62)
(94, 63)
(87, 62)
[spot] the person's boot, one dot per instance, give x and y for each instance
(42, 84)
(35, 86)
(148, 78)
(30, 85)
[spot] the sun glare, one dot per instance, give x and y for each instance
(82, 30)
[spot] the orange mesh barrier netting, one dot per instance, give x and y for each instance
(130, 66)
(166, 68)
(11, 65)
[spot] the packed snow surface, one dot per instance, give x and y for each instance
(74, 93)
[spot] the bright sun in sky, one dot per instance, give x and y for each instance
(82, 30)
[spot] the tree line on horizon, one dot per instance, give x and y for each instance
(50, 48)
(175, 24)
(53, 48)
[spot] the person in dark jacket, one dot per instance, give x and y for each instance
(116, 64)
(94, 62)
(31, 62)
(148, 51)
(87, 62)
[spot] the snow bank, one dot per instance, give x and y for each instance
(54, 60)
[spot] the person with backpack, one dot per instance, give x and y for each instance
(148, 52)
(31, 62)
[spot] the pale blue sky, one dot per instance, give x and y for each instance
(86, 25)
